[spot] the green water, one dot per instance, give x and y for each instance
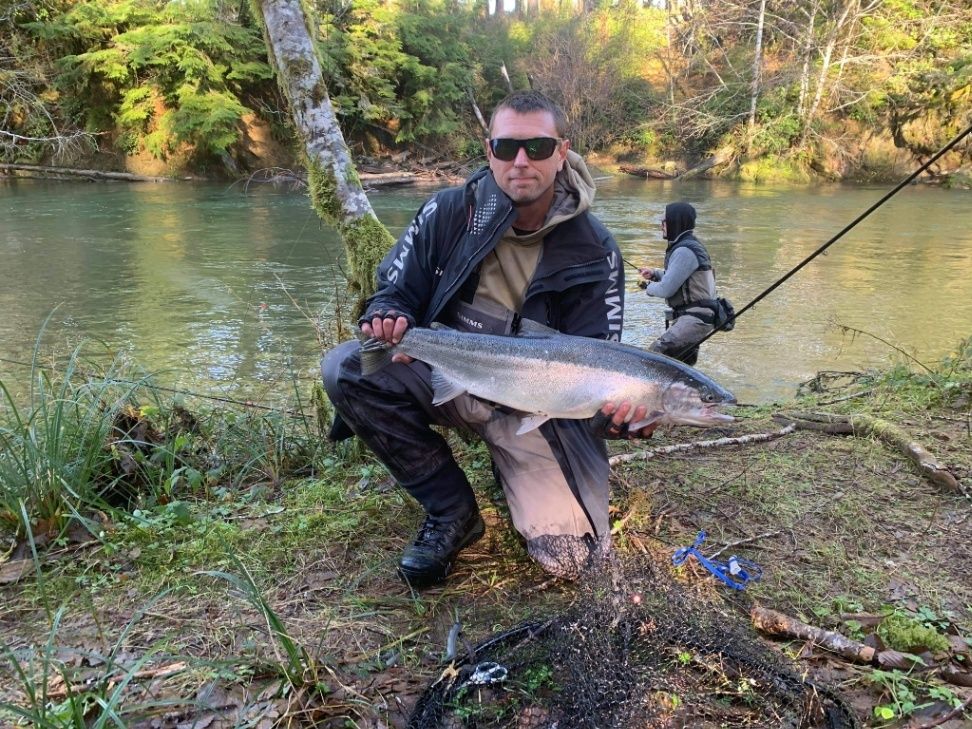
(209, 288)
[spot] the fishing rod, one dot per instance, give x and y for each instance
(847, 228)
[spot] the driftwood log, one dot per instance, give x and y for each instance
(888, 433)
(648, 173)
(374, 179)
(704, 166)
(87, 174)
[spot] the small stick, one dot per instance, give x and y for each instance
(699, 445)
(744, 541)
(58, 689)
(890, 434)
(953, 714)
(862, 393)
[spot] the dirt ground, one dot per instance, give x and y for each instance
(280, 606)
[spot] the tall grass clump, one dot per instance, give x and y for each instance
(55, 463)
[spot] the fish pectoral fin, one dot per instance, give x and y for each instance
(439, 326)
(444, 389)
(529, 327)
(649, 419)
(531, 422)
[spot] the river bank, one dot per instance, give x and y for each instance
(251, 578)
(868, 156)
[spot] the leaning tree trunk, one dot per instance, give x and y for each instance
(335, 189)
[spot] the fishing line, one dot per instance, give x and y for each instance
(162, 388)
(839, 235)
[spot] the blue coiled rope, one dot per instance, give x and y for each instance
(735, 571)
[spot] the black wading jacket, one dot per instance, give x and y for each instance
(578, 287)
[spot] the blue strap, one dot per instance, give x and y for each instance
(735, 571)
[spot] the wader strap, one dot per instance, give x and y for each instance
(704, 309)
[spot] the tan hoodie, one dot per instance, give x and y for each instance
(507, 271)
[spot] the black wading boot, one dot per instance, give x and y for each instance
(429, 559)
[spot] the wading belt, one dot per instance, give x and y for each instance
(693, 309)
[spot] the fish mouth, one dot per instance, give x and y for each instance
(712, 414)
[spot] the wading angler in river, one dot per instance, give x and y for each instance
(516, 242)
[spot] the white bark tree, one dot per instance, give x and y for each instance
(335, 190)
(757, 64)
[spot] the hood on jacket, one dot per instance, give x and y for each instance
(573, 194)
(573, 190)
(679, 219)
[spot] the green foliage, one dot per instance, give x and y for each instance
(906, 633)
(166, 75)
(404, 68)
(294, 661)
(81, 443)
(905, 694)
(931, 83)
(184, 77)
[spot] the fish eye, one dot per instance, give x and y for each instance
(708, 395)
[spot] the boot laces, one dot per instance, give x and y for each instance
(435, 532)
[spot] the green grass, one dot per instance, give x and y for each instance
(54, 463)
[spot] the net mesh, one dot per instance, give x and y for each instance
(634, 649)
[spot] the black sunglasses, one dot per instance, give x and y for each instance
(537, 148)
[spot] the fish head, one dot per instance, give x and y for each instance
(695, 399)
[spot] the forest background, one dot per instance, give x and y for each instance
(779, 89)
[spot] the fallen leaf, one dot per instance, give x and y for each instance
(14, 571)
(958, 678)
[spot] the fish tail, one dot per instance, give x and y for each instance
(375, 354)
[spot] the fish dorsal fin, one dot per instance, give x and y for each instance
(531, 422)
(444, 389)
(529, 327)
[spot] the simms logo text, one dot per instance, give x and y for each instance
(406, 242)
(612, 299)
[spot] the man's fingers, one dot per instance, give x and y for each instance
(378, 327)
(398, 329)
(621, 414)
(367, 330)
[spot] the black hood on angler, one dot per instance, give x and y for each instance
(679, 217)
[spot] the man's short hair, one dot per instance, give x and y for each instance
(524, 102)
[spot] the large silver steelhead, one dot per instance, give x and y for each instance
(546, 374)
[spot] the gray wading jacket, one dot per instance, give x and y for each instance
(578, 288)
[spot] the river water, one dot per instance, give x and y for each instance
(209, 287)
